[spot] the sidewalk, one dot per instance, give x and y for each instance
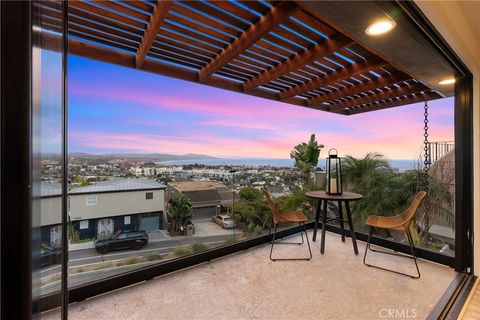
(203, 228)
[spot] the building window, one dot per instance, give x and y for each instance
(91, 200)
(149, 195)
(126, 220)
(55, 236)
(84, 224)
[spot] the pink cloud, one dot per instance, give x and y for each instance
(397, 132)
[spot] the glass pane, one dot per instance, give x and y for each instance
(133, 204)
(47, 149)
(389, 185)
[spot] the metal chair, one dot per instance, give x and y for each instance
(399, 222)
(286, 216)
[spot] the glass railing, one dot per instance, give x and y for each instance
(388, 193)
(123, 218)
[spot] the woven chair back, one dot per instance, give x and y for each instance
(409, 214)
(275, 210)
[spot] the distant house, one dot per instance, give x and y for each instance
(98, 210)
(208, 197)
(143, 171)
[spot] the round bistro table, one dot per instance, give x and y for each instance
(322, 198)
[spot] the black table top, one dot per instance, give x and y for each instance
(345, 196)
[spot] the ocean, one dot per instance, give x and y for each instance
(259, 162)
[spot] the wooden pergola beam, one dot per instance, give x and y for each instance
(277, 15)
(156, 20)
(427, 96)
(378, 96)
(372, 84)
(316, 52)
(335, 76)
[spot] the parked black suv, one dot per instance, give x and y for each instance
(125, 240)
(47, 256)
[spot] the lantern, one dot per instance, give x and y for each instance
(334, 173)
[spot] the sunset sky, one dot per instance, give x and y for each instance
(114, 109)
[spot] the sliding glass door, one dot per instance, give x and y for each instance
(48, 113)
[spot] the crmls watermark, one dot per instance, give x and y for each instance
(397, 313)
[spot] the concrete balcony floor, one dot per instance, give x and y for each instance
(248, 285)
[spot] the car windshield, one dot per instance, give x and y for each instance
(227, 218)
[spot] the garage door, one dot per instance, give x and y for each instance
(149, 223)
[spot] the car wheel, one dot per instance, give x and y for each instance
(103, 249)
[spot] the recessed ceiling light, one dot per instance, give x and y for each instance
(380, 27)
(447, 81)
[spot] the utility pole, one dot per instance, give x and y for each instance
(233, 201)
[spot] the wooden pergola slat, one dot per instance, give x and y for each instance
(378, 96)
(205, 20)
(316, 52)
(272, 19)
(156, 20)
(181, 38)
(77, 13)
(212, 11)
(200, 27)
(195, 36)
(428, 96)
(161, 40)
(231, 7)
(90, 8)
(123, 9)
(138, 4)
(363, 87)
(335, 76)
(255, 6)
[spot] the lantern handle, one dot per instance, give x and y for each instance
(330, 154)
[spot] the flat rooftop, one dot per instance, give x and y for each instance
(197, 185)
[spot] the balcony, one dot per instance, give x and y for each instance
(248, 285)
(289, 53)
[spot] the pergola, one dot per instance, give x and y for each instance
(278, 50)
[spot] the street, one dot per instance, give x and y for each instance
(89, 257)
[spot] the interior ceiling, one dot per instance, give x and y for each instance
(280, 50)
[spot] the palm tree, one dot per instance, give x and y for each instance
(355, 169)
(306, 156)
(180, 212)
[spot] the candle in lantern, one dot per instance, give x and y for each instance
(333, 185)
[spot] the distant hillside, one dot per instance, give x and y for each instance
(102, 158)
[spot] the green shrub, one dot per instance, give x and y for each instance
(228, 242)
(251, 227)
(84, 240)
(153, 257)
(105, 265)
(181, 251)
(258, 230)
(199, 247)
(131, 260)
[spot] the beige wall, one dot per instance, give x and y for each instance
(50, 211)
(459, 24)
(114, 204)
(108, 205)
